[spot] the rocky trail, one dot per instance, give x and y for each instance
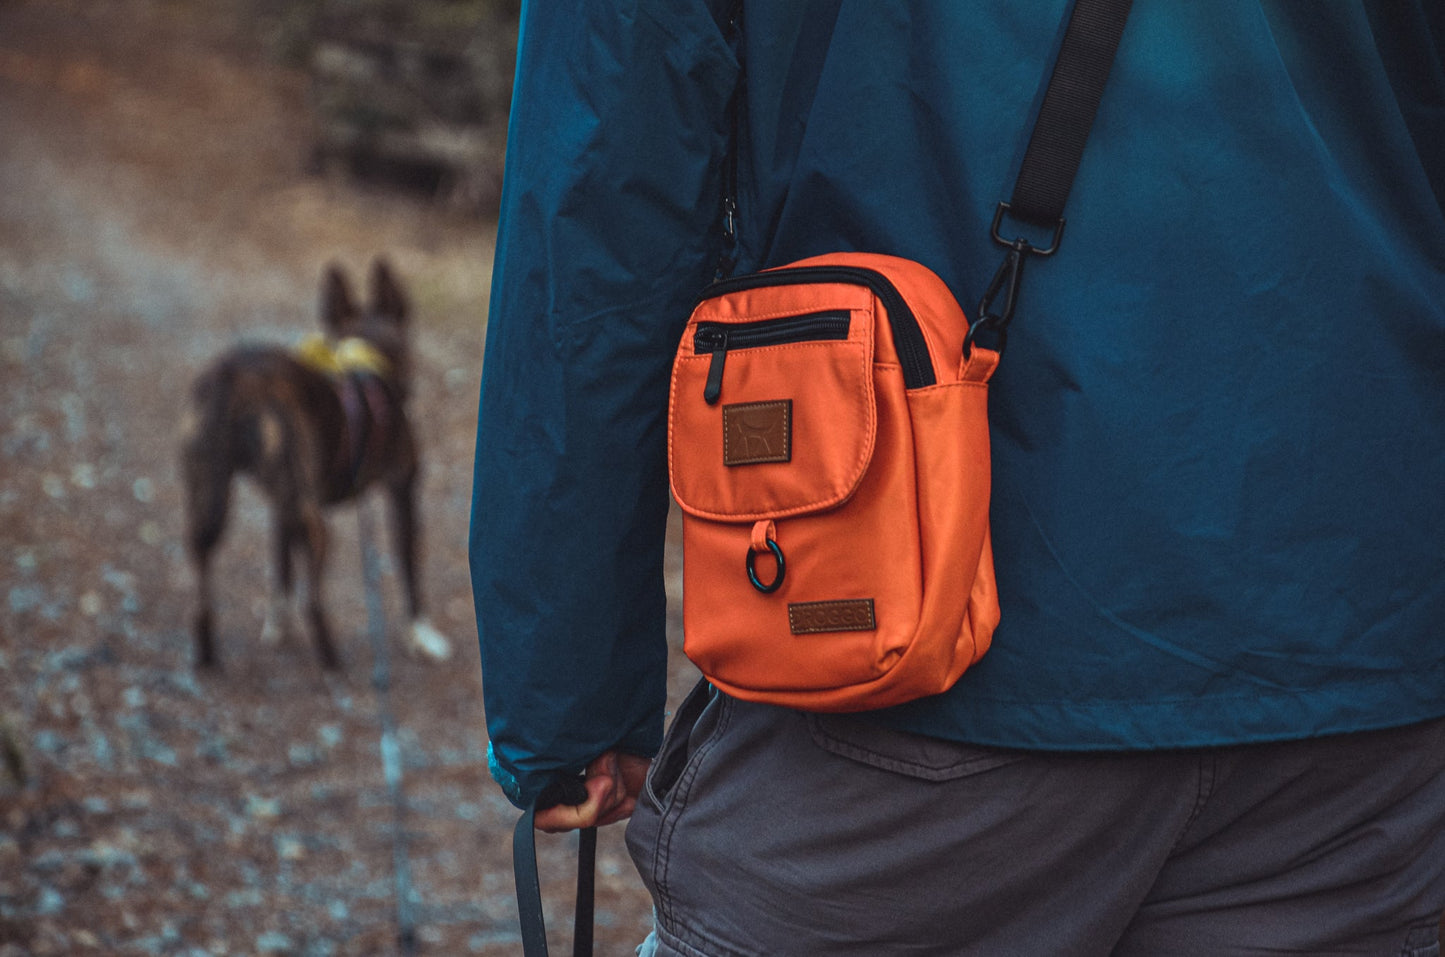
(156, 208)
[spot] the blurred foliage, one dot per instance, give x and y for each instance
(408, 91)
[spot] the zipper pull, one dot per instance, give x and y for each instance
(719, 341)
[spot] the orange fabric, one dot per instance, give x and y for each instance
(882, 503)
(829, 382)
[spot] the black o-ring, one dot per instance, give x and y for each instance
(777, 581)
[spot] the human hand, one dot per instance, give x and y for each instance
(613, 781)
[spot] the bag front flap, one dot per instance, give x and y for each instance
(772, 409)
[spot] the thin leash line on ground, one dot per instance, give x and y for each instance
(390, 748)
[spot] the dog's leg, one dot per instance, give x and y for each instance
(277, 627)
(206, 466)
(205, 638)
(12, 753)
(423, 638)
(314, 542)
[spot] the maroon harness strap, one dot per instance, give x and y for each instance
(368, 417)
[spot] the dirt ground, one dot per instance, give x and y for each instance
(155, 208)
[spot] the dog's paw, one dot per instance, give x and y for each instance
(276, 628)
(426, 641)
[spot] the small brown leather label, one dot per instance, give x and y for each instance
(812, 617)
(756, 432)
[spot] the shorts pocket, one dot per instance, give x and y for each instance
(1422, 942)
(912, 755)
(689, 729)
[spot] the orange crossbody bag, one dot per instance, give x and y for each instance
(828, 445)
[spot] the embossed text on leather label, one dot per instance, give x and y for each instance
(813, 617)
(756, 432)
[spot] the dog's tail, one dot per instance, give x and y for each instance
(209, 457)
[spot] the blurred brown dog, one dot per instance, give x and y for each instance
(314, 427)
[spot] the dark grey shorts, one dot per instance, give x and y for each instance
(770, 832)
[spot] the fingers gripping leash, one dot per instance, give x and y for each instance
(563, 790)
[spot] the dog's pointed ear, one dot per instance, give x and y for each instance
(387, 297)
(337, 306)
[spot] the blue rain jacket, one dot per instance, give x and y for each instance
(1219, 427)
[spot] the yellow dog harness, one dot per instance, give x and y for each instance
(356, 369)
(340, 356)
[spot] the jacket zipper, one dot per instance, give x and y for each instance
(717, 338)
(908, 338)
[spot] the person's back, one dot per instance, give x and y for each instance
(1218, 440)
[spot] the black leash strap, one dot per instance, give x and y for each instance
(529, 884)
(391, 758)
(1055, 149)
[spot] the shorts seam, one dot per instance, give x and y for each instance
(832, 742)
(677, 801)
(689, 949)
(1208, 775)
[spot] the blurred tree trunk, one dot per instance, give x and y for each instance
(413, 92)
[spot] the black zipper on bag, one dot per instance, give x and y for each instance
(718, 338)
(908, 338)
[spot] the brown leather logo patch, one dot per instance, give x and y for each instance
(756, 432)
(812, 617)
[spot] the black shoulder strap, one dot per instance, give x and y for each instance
(1067, 112)
(1055, 148)
(529, 885)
